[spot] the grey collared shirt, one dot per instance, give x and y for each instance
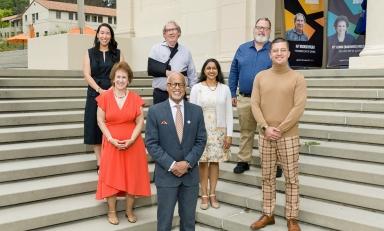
(182, 61)
(293, 35)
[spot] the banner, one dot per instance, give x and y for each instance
(304, 25)
(342, 38)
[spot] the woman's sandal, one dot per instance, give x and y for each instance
(131, 219)
(113, 219)
(214, 203)
(204, 206)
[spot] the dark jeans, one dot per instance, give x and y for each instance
(159, 95)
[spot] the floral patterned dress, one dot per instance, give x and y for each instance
(214, 151)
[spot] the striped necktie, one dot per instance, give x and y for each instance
(179, 122)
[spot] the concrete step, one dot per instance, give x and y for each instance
(230, 217)
(146, 221)
(28, 73)
(11, 170)
(346, 82)
(344, 118)
(350, 134)
(316, 212)
(42, 82)
(33, 118)
(18, 192)
(61, 82)
(60, 210)
(41, 104)
(343, 73)
(353, 151)
(21, 191)
(345, 105)
(329, 189)
(31, 93)
(368, 93)
(29, 133)
(42, 148)
(337, 133)
(343, 169)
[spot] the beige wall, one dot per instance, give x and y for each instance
(58, 52)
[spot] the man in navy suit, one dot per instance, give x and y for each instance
(176, 142)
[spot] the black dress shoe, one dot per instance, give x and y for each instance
(279, 172)
(241, 167)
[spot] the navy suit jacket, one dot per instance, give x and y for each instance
(164, 146)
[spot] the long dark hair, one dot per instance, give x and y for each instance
(219, 77)
(112, 45)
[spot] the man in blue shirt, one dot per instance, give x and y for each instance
(250, 58)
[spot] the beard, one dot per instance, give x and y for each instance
(261, 38)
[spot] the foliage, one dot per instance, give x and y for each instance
(4, 13)
(16, 6)
(4, 46)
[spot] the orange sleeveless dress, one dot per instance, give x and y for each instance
(122, 171)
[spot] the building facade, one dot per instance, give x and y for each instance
(15, 26)
(44, 17)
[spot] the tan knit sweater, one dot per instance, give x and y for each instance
(278, 99)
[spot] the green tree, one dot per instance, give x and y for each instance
(17, 6)
(4, 13)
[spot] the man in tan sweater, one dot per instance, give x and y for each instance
(278, 100)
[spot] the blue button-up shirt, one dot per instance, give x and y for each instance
(246, 64)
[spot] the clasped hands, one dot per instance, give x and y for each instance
(121, 144)
(272, 133)
(180, 168)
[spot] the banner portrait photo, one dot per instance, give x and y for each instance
(304, 26)
(346, 31)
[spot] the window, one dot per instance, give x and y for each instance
(58, 15)
(37, 34)
(45, 33)
(12, 33)
(33, 18)
(94, 18)
(114, 20)
(87, 18)
(76, 18)
(100, 19)
(26, 18)
(110, 20)
(70, 16)
(1, 35)
(37, 16)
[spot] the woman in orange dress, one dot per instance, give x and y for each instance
(123, 165)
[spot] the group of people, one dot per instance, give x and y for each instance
(187, 139)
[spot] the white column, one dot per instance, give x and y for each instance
(125, 18)
(80, 15)
(372, 56)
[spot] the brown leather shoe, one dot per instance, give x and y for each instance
(263, 221)
(293, 225)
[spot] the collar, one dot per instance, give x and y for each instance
(173, 104)
(266, 45)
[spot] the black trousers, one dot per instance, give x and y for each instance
(159, 95)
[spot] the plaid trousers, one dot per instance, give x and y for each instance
(286, 151)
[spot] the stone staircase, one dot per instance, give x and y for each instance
(48, 178)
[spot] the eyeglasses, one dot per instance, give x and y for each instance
(173, 85)
(262, 28)
(170, 29)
